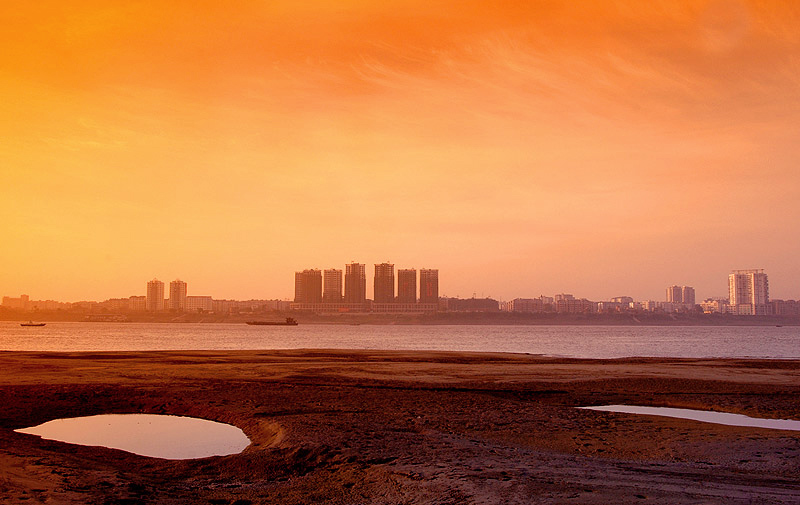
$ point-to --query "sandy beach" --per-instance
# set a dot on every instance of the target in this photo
(380, 427)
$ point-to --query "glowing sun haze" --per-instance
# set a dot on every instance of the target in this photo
(601, 148)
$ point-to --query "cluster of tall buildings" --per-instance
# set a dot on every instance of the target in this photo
(155, 301)
(748, 295)
(324, 291)
(681, 295)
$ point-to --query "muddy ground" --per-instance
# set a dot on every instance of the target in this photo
(364, 427)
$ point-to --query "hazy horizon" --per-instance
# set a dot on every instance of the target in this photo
(599, 148)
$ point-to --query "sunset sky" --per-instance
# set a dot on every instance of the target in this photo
(599, 148)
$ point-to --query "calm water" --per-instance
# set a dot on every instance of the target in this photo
(157, 436)
(571, 341)
(705, 416)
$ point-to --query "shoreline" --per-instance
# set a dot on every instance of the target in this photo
(390, 427)
(442, 318)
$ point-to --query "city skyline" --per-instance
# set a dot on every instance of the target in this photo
(748, 291)
(656, 293)
(601, 148)
(748, 296)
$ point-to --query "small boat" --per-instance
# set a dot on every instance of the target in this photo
(31, 323)
(290, 321)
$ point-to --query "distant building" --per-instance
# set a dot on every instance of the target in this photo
(613, 307)
(568, 304)
(355, 284)
(687, 292)
(199, 304)
(674, 294)
(625, 301)
(308, 286)
(16, 303)
(539, 304)
(648, 305)
(242, 306)
(137, 303)
(116, 305)
(406, 286)
(428, 285)
(177, 295)
(404, 308)
(155, 296)
(282, 305)
(224, 306)
(48, 305)
(680, 298)
(749, 292)
(714, 306)
(785, 307)
(332, 286)
(85, 306)
(525, 305)
(472, 305)
(384, 283)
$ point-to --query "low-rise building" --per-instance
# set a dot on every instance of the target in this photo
(527, 305)
(567, 304)
(137, 303)
(20, 303)
(199, 304)
(785, 307)
(714, 306)
(472, 305)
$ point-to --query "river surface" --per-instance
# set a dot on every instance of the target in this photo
(568, 341)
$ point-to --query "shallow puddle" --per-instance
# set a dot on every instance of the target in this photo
(156, 436)
(703, 416)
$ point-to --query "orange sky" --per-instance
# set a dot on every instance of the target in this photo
(600, 148)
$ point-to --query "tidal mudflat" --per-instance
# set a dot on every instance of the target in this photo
(334, 426)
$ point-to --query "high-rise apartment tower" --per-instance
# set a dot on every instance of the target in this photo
(687, 294)
(748, 292)
(308, 286)
(406, 286)
(355, 283)
(681, 294)
(384, 283)
(155, 296)
(428, 285)
(332, 286)
(177, 295)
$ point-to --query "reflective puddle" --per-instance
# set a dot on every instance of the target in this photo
(703, 416)
(156, 436)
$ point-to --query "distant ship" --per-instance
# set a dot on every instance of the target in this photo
(31, 323)
(289, 322)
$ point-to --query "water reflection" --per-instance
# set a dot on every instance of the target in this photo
(157, 436)
(703, 416)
